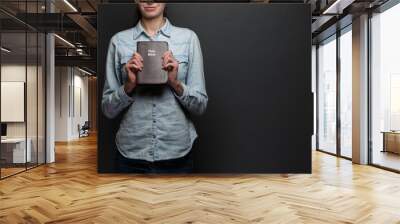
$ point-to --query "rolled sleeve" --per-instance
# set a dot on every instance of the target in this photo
(184, 93)
(194, 97)
(125, 98)
(114, 97)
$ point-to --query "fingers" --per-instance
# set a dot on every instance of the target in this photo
(167, 54)
(131, 67)
(170, 66)
(138, 63)
(167, 57)
(169, 62)
(137, 59)
(137, 56)
(135, 64)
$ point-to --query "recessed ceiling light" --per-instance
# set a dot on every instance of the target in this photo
(5, 50)
(70, 5)
(337, 7)
(65, 41)
(84, 71)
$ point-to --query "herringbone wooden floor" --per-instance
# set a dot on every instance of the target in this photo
(71, 191)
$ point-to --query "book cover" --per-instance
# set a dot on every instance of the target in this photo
(152, 52)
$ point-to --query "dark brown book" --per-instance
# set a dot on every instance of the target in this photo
(152, 52)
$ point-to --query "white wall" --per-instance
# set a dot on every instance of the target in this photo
(61, 103)
(70, 83)
(10, 73)
(17, 72)
(80, 89)
(34, 126)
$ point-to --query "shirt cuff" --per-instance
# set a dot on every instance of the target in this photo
(184, 93)
(123, 96)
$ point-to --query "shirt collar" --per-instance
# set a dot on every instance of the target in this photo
(165, 29)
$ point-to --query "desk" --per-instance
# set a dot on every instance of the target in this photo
(391, 141)
(13, 150)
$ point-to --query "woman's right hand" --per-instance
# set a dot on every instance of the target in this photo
(133, 66)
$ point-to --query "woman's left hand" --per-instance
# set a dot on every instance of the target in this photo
(171, 65)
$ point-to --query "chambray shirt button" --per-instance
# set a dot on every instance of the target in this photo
(154, 136)
(154, 105)
(154, 121)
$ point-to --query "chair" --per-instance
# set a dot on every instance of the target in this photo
(84, 130)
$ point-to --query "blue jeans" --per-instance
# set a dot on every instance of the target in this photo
(179, 166)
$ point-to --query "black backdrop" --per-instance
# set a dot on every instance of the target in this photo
(257, 60)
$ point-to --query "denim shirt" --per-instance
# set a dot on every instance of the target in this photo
(156, 122)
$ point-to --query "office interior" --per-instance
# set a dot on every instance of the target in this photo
(49, 93)
(334, 74)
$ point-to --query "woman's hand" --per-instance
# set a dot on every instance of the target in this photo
(171, 65)
(133, 66)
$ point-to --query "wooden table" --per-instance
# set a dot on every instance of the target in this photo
(13, 150)
(391, 141)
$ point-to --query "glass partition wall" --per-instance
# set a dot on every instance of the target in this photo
(345, 90)
(385, 89)
(327, 95)
(22, 87)
(334, 94)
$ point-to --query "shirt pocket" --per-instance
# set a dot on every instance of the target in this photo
(183, 61)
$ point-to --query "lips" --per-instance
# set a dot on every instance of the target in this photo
(149, 8)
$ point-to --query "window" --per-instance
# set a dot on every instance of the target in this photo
(334, 106)
(385, 88)
(327, 96)
(346, 93)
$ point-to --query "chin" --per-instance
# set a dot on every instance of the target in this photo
(151, 15)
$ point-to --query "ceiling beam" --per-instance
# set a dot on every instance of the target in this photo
(337, 7)
(82, 61)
